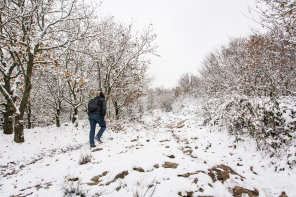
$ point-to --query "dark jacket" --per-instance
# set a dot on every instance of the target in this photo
(102, 106)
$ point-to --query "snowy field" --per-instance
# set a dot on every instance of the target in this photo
(167, 154)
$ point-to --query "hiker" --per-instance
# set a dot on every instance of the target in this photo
(96, 112)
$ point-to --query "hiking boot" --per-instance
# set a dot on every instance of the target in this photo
(98, 140)
(92, 146)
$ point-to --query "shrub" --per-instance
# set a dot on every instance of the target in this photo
(270, 121)
(84, 158)
(72, 188)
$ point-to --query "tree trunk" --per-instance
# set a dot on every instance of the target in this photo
(19, 129)
(29, 113)
(99, 76)
(116, 109)
(8, 122)
(8, 114)
(74, 117)
(19, 118)
(58, 121)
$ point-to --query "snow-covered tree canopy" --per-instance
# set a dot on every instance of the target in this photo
(63, 42)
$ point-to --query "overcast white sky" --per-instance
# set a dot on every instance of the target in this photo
(187, 30)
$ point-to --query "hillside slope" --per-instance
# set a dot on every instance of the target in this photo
(167, 154)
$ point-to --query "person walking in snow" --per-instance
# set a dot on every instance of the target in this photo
(96, 113)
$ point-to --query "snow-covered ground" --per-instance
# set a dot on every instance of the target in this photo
(168, 154)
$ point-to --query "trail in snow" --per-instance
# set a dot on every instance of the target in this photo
(166, 155)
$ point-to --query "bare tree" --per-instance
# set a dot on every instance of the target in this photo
(187, 84)
(30, 31)
(253, 66)
(77, 71)
(279, 17)
(122, 63)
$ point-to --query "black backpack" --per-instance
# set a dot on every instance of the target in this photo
(93, 105)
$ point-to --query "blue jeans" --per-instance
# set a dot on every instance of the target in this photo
(95, 119)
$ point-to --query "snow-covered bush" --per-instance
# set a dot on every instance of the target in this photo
(84, 158)
(133, 112)
(188, 104)
(72, 188)
(155, 99)
(272, 122)
(159, 98)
